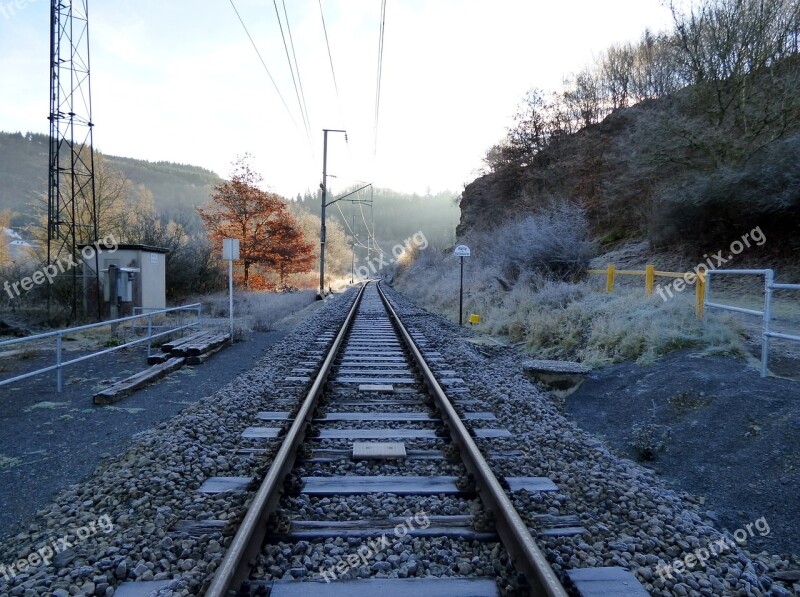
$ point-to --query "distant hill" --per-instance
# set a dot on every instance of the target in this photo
(177, 188)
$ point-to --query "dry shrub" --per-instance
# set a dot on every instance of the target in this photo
(253, 311)
(553, 317)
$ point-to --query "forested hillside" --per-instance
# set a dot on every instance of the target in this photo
(177, 188)
(686, 137)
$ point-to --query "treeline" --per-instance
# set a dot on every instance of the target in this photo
(178, 188)
(687, 132)
(395, 216)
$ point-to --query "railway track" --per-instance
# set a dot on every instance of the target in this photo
(380, 469)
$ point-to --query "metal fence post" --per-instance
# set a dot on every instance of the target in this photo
(149, 334)
(769, 278)
(700, 295)
(58, 363)
(610, 277)
(707, 294)
(649, 279)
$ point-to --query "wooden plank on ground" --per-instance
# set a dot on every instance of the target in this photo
(202, 358)
(119, 390)
(201, 346)
(168, 346)
(157, 359)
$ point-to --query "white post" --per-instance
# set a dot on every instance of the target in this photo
(230, 251)
(230, 294)
(769, 279)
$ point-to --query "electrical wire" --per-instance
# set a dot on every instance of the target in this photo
(380, 72)
(292, 69)
(330, 59)
(296, 66)
(346, 223)
(264, 64)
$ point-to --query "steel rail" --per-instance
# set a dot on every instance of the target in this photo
(246, 544)
(513, 531)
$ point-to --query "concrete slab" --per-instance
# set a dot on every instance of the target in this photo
(261, 432)
(378, 450)
(376, 387)
(531, 484)
(221, 484)
(140, 589)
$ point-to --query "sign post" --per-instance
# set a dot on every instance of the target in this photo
(230, 251)
(461, 252)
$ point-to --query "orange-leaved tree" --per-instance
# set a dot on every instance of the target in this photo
(267, 233)
(293, 255)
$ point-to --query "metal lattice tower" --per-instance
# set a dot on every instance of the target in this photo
(72, 207)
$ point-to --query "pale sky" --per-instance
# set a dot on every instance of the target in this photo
(179, 80)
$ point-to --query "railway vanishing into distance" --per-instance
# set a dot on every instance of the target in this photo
(377, 450)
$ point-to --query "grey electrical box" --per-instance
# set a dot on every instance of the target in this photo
(140, 272)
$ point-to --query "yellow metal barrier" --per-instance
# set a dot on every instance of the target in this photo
(650, 273)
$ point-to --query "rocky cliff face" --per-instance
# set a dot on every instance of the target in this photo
(488, 200)
(662, 169)
(588, 167)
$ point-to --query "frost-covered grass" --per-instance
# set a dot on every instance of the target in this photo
(564, 320)
(254, 311)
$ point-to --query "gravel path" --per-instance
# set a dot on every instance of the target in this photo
(49, 440)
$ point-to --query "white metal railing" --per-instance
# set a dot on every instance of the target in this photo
(194, 308)
(765, 313)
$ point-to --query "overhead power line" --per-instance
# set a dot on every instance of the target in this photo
(296, 65)
(264, 64)
(330, 59)
(292, 68)
(380, 72)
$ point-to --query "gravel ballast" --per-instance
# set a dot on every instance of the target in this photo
(123, 513)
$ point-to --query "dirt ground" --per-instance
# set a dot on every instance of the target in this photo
(713, 428)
